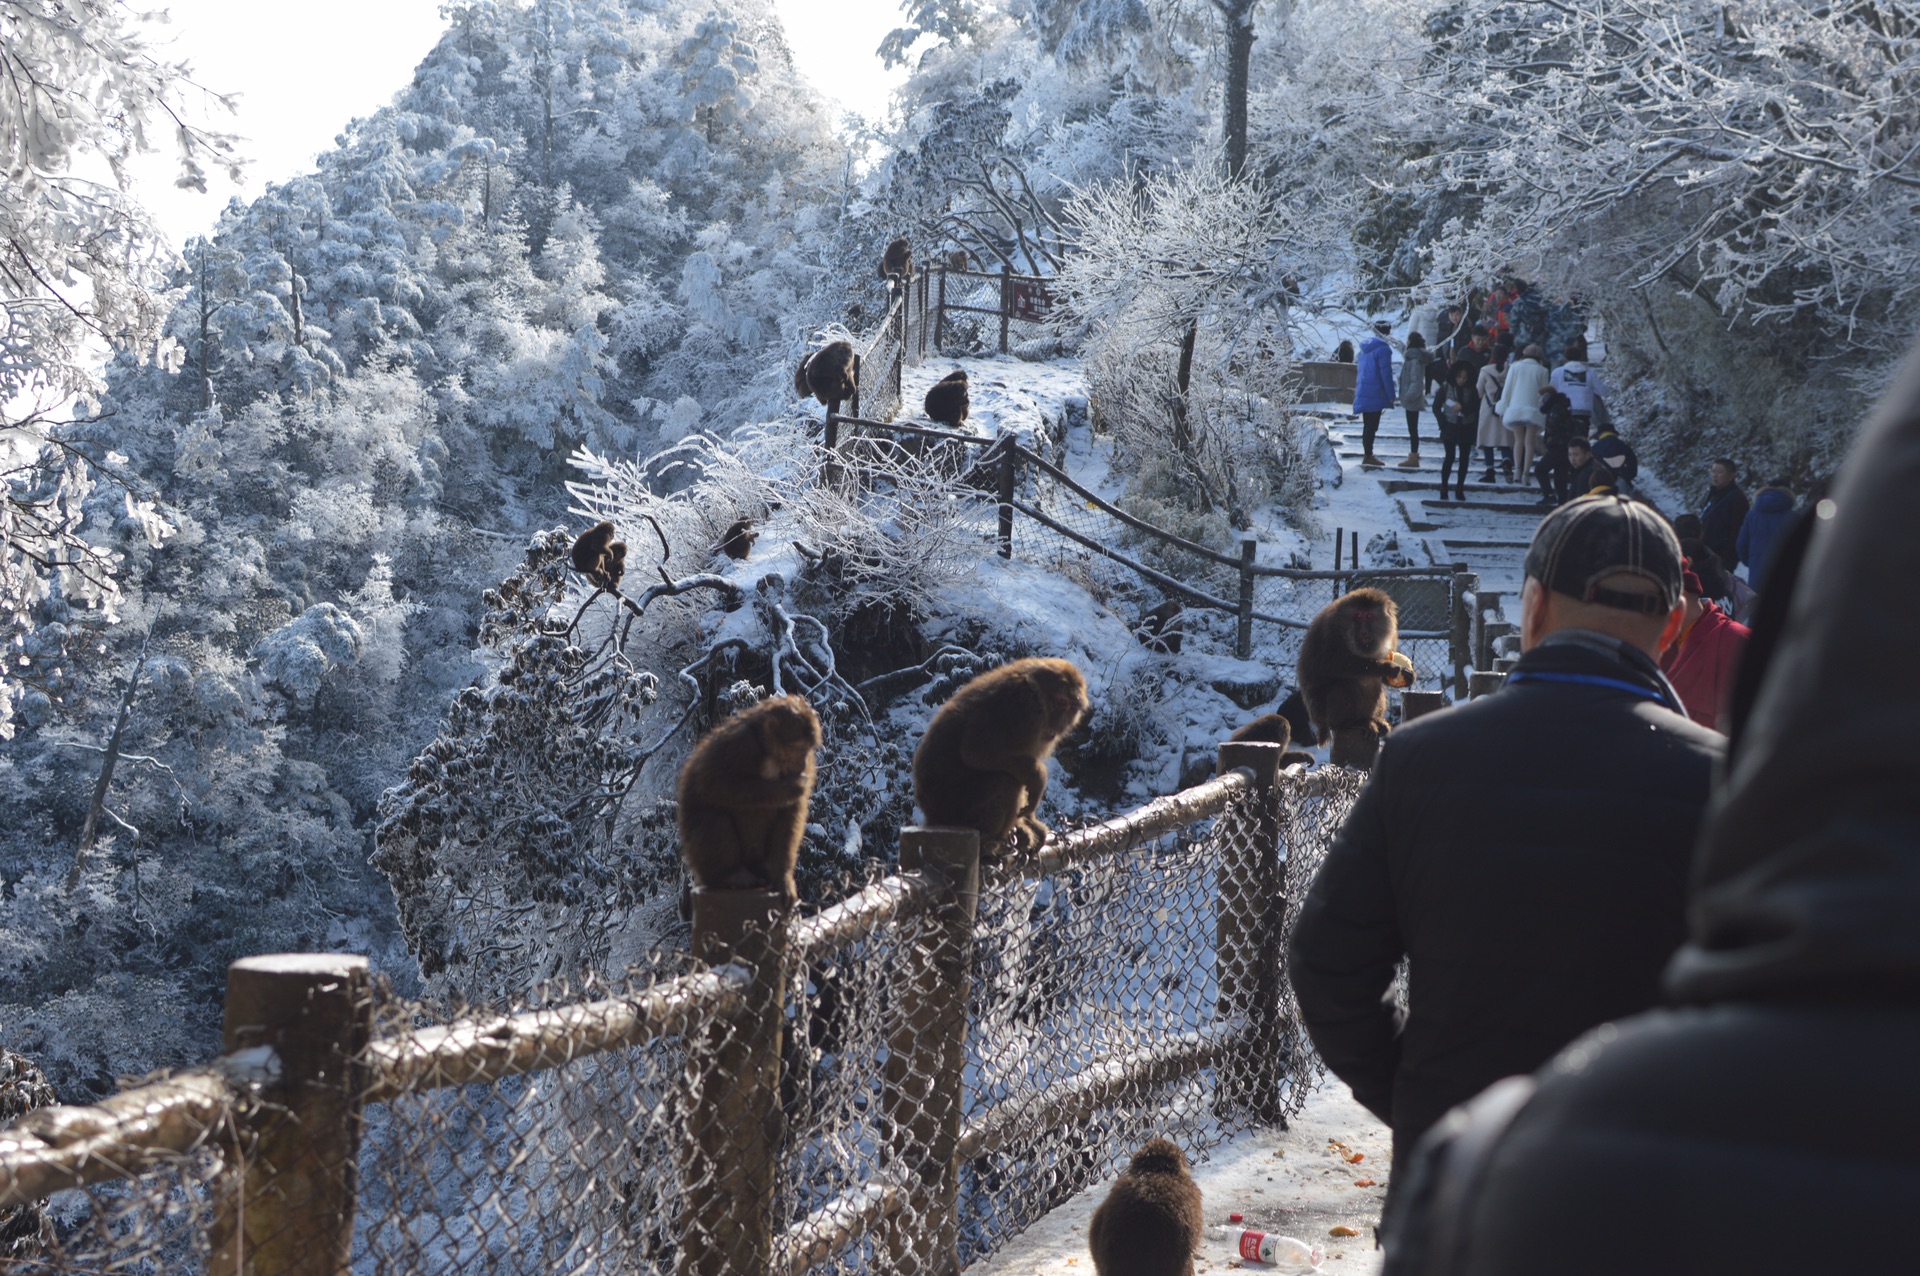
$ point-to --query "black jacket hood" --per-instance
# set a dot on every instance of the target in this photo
(1807, 882)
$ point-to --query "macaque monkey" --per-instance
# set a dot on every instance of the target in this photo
(1347, 662)
(898, 262)
(957, 259)
(1152, 1221)
(1272, 728)
(983, 761)
(599, 557)
(1160, 629)
(743, 798)
(737, 541)
(827, 374)
(947, 403)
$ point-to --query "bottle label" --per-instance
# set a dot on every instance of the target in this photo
(1250, 1245)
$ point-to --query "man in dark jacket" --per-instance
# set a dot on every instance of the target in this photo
(1774, 1120)
(1527, 852)
(1766, 523)
(1724, 511)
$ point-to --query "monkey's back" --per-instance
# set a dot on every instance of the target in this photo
(829, 373)
(1149, 1225)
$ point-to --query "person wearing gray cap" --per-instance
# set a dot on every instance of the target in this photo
(1527, 853)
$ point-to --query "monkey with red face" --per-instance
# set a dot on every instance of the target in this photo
(983, 762)
(1347, 662)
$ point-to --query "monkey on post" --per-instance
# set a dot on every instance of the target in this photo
(599, 557)
(1347, 662)
(983, 762)
(957, 259)
(827, 374)
(743, 798)
(947, 402)
(898, 261)
(1272, 728)
(1152, 1221)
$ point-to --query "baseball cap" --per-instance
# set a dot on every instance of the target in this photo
(1601, 535)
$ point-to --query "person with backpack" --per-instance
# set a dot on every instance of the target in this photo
(1617, 455)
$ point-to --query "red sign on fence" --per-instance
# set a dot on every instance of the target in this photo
(1030, 299)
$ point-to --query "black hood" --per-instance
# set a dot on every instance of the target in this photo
(1807, 883)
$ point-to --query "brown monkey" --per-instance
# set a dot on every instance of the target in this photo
(737, 541)
(829, 374)
(1160, 629)
(1152, 1221)
(1272, 728)
(1294, 710)
(957, 259)
(983, 761)
(898, 260)
(1347, 661)
(743, 798)
(600, 558)
(947, 401)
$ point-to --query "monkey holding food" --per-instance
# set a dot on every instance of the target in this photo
(898, 261)
(1152, 1220)
(737, 541)
(599, 557)
(827, 374)
(743, 798)
(983, 761)
(1347, 662)
(947, 402)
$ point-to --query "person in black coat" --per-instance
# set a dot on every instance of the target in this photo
(1526, 852)
(1772, 1120)
(1725, 509)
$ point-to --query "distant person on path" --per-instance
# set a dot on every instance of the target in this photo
(1493, 438)
(1527, 852)
(1527, 378)
(1553, 468)
(1373, 390)
(1459, 419)
(1771, 1117)
(1723, 513)
(1617, 455)
(1580, 384)
(1413, 395)
(1765, 524)
(1586, 477)
(1702, 661)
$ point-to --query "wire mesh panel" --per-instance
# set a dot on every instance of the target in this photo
(983, 314)
(160, 1221)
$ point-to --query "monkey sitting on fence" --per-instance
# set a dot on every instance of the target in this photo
(827, 375)
(1347, 662)
(599, 557)
(898, 261)
(1152, 1221)
(983, 761)
(947, 402)
(743, 798)
(957, 259)
(1272, 728)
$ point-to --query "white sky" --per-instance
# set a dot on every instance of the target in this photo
(302, 70)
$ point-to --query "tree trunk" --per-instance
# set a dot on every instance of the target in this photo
(1182, 433)
(90, 832)
(1239, 61)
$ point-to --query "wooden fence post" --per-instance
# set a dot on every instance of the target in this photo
(1243, 638)
(927, 1051)
(1484, 682)
(735, 1125)
(285, 1204)
(1006, 303)
(1418, 704)
(1247, 942)
(1009, 475)
(1466, 586)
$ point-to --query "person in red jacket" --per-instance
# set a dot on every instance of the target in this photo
(1702, 661)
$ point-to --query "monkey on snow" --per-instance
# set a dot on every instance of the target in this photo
(1272, 728)
(737, 541)
(947, 402)
(898, 261)
(983, 761)
(599, 557)
(1160, 629)
(1347, 662)
(743, 798)
(1152, 1221)
(827, 375)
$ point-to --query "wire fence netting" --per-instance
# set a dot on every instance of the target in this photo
(1114, 986)
(971, 310)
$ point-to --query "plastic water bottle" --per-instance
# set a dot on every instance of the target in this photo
(1281, 1251)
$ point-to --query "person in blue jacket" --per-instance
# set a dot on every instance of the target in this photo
(1373, 390)
(1765, 524)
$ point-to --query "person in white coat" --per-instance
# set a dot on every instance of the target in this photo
(1527, 380)
(1494, 438)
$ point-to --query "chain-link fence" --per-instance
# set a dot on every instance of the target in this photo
(974, 312)
(901, 1082)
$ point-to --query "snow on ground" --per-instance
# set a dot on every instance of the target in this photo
(1296, 1182)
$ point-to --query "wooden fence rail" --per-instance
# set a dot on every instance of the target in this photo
(282, 1109)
